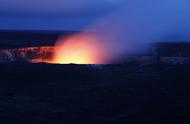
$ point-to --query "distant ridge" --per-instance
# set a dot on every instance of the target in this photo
(30, 38)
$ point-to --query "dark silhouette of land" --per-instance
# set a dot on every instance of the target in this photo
(22, 38)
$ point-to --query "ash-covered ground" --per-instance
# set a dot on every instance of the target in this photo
(94, 94)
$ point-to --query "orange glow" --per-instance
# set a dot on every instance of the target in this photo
(28, 54)
(83, 48)
(43, 54)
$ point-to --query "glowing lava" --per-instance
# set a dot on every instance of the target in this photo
(83, 48)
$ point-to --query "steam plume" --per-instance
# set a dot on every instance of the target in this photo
(139, 24)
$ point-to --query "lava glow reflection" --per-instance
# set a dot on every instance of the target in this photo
(81, 48)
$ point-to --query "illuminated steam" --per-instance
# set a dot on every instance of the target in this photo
(81, 48)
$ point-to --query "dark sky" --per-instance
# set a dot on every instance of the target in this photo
(53, 14)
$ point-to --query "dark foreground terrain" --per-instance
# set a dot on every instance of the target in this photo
(92, 94)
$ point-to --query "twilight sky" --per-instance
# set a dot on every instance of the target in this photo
(53, 14)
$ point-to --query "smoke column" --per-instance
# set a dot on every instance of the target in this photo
(138, 24)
